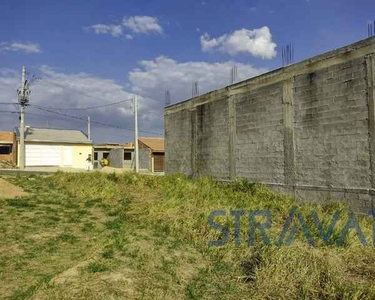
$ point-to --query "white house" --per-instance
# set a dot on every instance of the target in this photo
(56, 147)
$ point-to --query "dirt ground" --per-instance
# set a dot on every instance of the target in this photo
(114, 170)
(124, 170)
(8, 190)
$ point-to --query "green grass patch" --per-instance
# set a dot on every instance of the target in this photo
(96, 267)
(146, 237)
(20, 203)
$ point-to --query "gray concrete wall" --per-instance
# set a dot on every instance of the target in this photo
(212, 133)
(179, 128)
(259, 151)
(307, 129)
(116, 158)
(144, 159)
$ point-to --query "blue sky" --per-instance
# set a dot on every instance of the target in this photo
(177, 41)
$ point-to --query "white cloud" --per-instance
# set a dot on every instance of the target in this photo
(142, 24)
(102, 90)
(135, 25)
(155, 76)
(149, 81)
(17, 46)
(114, 30)
(257, 42)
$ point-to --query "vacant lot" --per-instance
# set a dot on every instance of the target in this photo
(107, 236)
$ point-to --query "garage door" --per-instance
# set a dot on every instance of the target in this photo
(159, 162)
(42, 155)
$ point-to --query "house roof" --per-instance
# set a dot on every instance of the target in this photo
(108, 146)
(33, 134)
(155, 144)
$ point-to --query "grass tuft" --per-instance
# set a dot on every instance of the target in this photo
(96, 267)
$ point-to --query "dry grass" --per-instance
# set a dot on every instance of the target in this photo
(101, 236)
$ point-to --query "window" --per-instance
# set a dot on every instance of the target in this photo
(5, 149)
(105, 155)
(127, 156)
(95, 155)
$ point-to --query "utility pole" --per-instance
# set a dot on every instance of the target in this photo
(135, 105)
(22, 99)
(88, 129)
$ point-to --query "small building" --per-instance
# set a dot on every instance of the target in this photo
(151, 154)
(56, 147)
(118, 155)
(8, 146)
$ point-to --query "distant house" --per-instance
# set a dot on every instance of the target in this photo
(151, 154)
(118, 155)
(8, 146)
(56, 147)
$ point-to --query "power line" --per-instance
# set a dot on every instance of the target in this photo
(45, 116)
(89, 107)
(95, 122)
(81, 93)
(9, 111)
(53, 109)
(78, 91)
(151, 113)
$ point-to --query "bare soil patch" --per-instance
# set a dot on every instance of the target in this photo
(8, 190)
(110, 170)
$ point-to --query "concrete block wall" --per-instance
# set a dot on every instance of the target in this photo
(332, 133)
(259, 135)
(307, 129)
(144, 159)
(178, 127)
(116, 158)
(212, 130)
(331, 126)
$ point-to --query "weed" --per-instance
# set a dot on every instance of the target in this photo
(20, 203)
(88, 226)
(67, 237)
(96, 267)
(92, 202)
(54, 218)
(112, 225)
(108, 254)
(112, 177)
